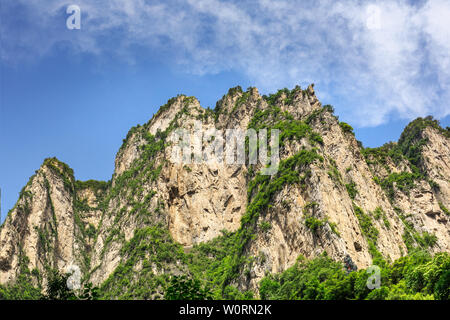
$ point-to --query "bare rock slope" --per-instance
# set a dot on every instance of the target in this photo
(156, 217)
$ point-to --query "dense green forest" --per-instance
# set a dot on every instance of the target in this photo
(415, 276)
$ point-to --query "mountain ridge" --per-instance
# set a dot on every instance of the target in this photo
(155, 219)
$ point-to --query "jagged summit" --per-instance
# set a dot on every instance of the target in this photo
(228, 223)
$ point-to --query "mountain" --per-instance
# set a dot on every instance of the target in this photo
(229, 225)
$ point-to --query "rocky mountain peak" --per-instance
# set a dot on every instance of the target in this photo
(157, 218)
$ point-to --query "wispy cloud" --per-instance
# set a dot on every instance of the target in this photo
(376, 58)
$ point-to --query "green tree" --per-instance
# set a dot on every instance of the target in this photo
(57, 288)
(442, 288)
(184, 288)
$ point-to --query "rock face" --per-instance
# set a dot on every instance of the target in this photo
(43, 230)
(330, 194)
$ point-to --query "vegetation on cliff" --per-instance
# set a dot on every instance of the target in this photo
(152, 265)
(416, 276)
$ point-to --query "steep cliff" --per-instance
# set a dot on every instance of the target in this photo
(229, 223)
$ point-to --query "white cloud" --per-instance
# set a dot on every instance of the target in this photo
(400, 65)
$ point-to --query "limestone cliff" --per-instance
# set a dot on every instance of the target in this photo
(156, 217)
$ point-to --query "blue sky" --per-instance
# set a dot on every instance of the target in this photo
(74, 94)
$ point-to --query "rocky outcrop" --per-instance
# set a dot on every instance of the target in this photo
(40, 232)
(331, 195)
